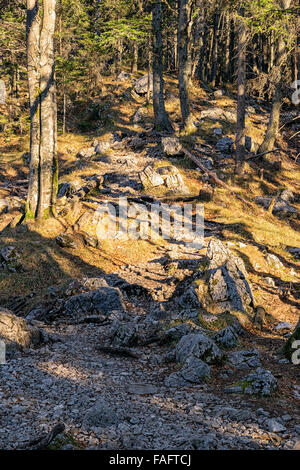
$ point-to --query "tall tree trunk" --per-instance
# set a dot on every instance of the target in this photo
(273, 124)
(42, 92)
(33, 67)
(161, 119)
(184, 63)
(134, 66)
(214, 50)
(241, 102)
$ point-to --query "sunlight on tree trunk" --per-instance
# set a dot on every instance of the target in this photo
(43, 173)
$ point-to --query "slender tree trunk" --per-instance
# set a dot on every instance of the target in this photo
(161, 119)
(241, 102)
(134, 67)
(273, 124)
(33, 67)
(184, 63)
(214, 50)
(149, 67)
(42, 92)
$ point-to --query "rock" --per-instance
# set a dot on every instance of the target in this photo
(218, 94)
(246, 359)
(194, 371)
(16, 332)
(9, 254)
(295, 251)
(102, 301)
(189, 299)
(232, 413)
(225, 145)
(226, 338)
(124, 334)
(270, 281)
(89, 240)
(142, 389)
(200, 442)
(137, 143)
(102, 147)
(281, 208)
(67, 189)
(66, 241)
(140, 86)
(139, 116)
(87, 152)
(172, 178)
(274, 261)
(177, 332)
(227, 284)
(149, 177)
(217, 130)
(261, 382)
(207, 162)
(274, 426)
(100, 415)
(206, 193)
(283, 326)
(287, 195)
(2, 92)
(171, 146)
(216, 114)
(123, 76)
(200, 346)
(168, 176)
(289, 348)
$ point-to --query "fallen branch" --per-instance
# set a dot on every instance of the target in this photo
(43, 442)
(264, 153)
(294, 135)
(290, 122)
(213, 176)
(118, 351)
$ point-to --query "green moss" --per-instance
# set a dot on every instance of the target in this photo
(29, 214)
(62, 440)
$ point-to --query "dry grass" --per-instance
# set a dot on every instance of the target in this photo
(47, 264)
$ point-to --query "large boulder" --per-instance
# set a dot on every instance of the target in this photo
(140, 86)
(103, 301)
(16, 332)
(200, 346)
(227, 284)
(168, 177)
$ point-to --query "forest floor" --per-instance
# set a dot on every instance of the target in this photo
(63, 379)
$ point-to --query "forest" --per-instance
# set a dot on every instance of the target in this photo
(149, 226)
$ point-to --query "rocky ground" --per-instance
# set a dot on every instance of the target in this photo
(152, 344)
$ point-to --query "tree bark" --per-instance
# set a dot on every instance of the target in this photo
(184, 63)
(241, 102)
(43, 110)
(161, 119)
(33, 67)
(273, 124)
